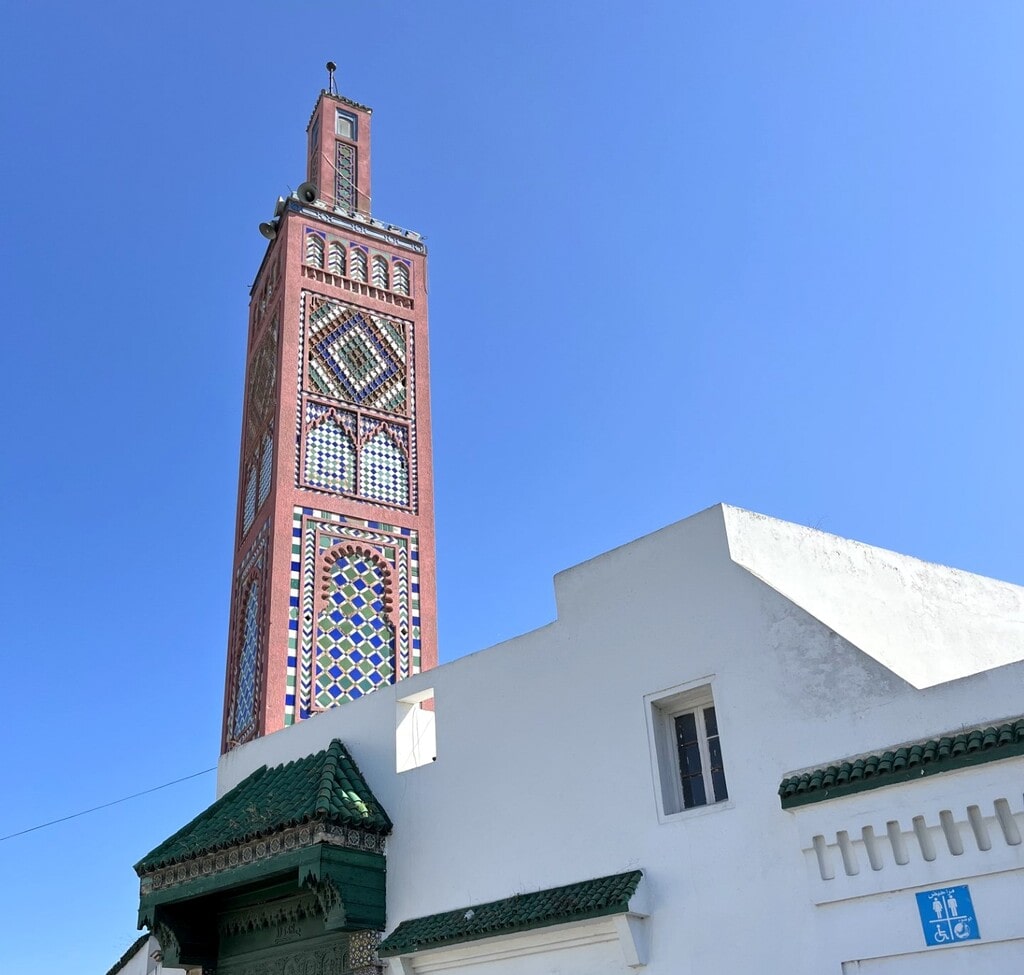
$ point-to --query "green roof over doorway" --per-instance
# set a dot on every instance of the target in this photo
(326, 787)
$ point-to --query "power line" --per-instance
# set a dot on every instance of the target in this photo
(105, 805)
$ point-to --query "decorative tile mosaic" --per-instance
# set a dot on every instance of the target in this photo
(400, 277)
(245, 648)
(259, 400)
(323, 460)
(383, 470)
(319, 538)
(354, 637)
(336, 447)
(357, 262)
(345, 176)
(330, 457)
(266, 468)
(249, 500)
(314, 248)
(357, 357)
(245, 696)
(336, 257)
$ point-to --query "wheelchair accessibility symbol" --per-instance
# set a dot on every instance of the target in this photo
(947, 915)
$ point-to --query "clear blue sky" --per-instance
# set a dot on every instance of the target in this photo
(765, 253)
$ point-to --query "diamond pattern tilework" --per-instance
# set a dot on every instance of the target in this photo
(315, 533)
(266, 468)
(357, 357)
(330, 457)
(249, 503)
(259, 407)
(247, 660)
(320, 317)
(354, 638)
(383, 470)
(245, 698)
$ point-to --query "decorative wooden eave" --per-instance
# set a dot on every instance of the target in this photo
(302, 841)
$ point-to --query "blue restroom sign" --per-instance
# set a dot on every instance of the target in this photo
(947, 915)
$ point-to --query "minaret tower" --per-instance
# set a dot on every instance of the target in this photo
(333, 582)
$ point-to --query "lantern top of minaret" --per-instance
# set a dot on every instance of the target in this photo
(331, 91)
(338, 155)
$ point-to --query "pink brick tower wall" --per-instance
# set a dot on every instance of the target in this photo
(333, 587)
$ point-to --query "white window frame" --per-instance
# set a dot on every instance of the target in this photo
(662, 708)
(345, 125)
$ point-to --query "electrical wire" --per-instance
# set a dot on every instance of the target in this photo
(105, 805)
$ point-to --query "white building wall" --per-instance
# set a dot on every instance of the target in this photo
(543, 773)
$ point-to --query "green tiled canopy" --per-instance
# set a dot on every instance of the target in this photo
(523, 912)
(972, 746)
(325, 788)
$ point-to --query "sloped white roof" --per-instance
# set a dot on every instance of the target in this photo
(927, 623)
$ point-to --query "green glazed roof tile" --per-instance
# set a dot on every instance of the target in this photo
(326, 787)
(971, 746)
(587, 899)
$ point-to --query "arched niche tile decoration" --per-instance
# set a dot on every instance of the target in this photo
(245, 678)
(400, 277)
(245, 665)
(314, 248)
(316, 533)
(266, 468)
(357, 263)
(336, 257)
(355, 635)
(249, 499)
(329, 455)
(383, 470)
(379, 274)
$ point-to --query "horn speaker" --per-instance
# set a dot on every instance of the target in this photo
(308, 192)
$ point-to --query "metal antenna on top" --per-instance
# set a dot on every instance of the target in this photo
(332, 88)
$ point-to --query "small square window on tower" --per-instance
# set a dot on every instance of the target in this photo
(687, 749)
(345, 125)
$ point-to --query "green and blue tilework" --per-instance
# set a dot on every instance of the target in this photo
(247, 612)
(330, 461)
(383, 470)
(356, 373)
(315, 537)
(266, 468)
(357, 357)
(354, 639)
(249, 500)
(245, 697)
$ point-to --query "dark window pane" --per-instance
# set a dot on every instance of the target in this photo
(718, 784)
(689, 759)
(686, 728)
(710, 722)
(715, 752)
(693, 791)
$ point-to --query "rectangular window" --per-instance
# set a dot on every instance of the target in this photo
(345, 125)
(701, 776)
(687, 749)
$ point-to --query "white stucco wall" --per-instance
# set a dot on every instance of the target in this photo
(147, 960)
(544, 776)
